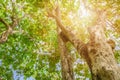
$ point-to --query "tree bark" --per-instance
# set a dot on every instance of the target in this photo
(66, 62)
(103, 64)
(97, 52)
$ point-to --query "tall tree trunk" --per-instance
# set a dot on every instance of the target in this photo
(97, 52)
(103, 64)
(66, 62)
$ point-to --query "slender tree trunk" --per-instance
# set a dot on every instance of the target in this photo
(66, 62)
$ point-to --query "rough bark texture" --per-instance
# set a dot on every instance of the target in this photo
(103, 64)
(97, 52)
(66, 62)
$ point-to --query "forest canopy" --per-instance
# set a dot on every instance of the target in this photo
(29, 41)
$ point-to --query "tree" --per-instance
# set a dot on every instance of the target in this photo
(66, 63)
(34, 47)
(97, 52)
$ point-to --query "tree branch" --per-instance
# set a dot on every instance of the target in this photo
(6, 33)
(11, 26)
(4, 22)
(67, 33)
(67, 70)
(9, 30)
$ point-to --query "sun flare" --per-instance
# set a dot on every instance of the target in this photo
(82, 11)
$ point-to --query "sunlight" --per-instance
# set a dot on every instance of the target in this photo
(83, 12)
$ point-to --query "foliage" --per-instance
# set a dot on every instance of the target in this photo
(32, 51)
